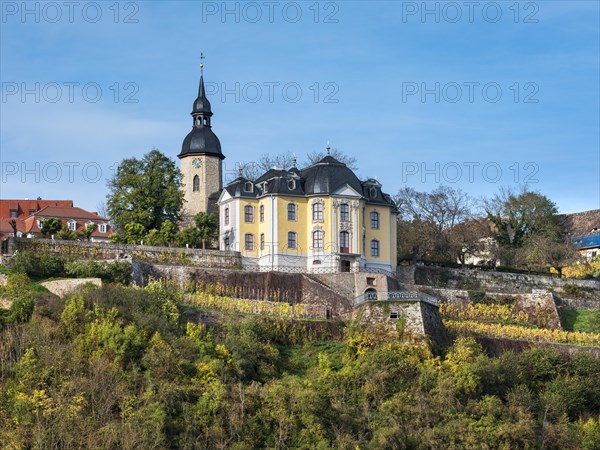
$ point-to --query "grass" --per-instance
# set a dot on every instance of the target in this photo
(5, 270)
(576, 320)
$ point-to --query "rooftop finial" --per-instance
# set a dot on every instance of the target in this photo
(240, 170)
(328, 148)
(202, 63)
(294, 160)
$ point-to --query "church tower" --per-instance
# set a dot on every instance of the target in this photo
(200, 160)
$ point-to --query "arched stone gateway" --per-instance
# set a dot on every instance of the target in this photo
(370, 294)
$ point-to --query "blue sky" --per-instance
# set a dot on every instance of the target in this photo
(419, 93)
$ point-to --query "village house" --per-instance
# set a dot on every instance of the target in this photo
(24, 218)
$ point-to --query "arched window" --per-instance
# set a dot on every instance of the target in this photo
(292, 239)
(226, 216)
(345, 212)
(249, 242)
(375, 220)
(196, 183)
(291, 211)
(318, 239)
(262, 241)
(261, 213)
(249, 214)
(317, 210)
(248, 187)
(375, 248)
(344, 242)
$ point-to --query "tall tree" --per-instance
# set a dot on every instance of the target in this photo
(208, 227)
(445, 206)
(520, 215)
(426, 220)
(145, 191)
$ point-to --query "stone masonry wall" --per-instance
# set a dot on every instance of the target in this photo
(500, 282)
(106, 251)
(275, 286)
(352, 285)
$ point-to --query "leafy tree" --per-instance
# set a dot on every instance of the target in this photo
(544, 251)
(134, 233)
(188, 237)
(208, 227)
(520, 215)
(168, 230)
(87, 232)
(145, 191)
(51, 226)
(66, 234)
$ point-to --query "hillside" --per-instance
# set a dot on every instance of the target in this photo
(123, 367)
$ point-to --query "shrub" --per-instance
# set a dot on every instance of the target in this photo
(37, 265)
(476, 296)
(113, 272)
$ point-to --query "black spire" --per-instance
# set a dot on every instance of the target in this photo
(201, 104)
(201, 140)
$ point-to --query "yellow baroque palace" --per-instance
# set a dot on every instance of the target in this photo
(318, 219)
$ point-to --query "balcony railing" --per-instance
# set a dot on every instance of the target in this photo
(396, 296)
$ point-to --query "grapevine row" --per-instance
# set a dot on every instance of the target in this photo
(279, 309)
(480, 312)
(518, 332)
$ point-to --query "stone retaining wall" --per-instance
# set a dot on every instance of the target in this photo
(275, 286)
(64, 287)
(500, 282)
(106, 251)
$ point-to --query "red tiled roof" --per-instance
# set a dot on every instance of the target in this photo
(23, 207)
(62, 209)
(68, 213)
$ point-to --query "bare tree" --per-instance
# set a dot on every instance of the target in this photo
(445, 206)
(317, 155)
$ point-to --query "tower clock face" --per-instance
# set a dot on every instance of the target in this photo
(196, 163)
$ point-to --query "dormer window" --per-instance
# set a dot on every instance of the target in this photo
(102, 228)
(72, 225)
(291, 185)
(249, 187)
(373, 192)
(265, 187)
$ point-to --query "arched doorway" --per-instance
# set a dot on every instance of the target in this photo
(370, 294)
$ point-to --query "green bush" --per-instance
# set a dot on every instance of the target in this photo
(112, 272)
(37, 265)
(476, 296)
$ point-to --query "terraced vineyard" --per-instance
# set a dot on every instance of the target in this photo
(502, 321)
